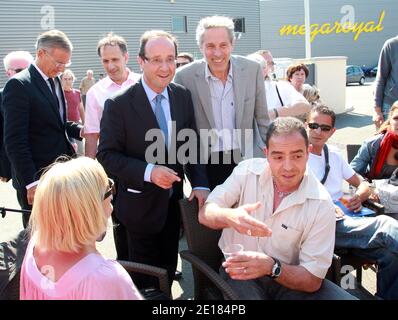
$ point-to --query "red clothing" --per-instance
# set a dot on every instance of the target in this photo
(73, 100)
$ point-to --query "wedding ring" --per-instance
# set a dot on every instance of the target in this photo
(249, 232)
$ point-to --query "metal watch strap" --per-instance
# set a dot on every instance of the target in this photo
(276, 269)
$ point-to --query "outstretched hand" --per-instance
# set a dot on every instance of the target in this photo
(244, 222)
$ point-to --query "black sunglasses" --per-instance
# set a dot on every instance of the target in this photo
(324, 127)
(112, 189)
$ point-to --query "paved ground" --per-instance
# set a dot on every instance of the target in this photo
(353, 127)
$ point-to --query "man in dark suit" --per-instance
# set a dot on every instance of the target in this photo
(14, 62)
(150, 188)
(35, 128)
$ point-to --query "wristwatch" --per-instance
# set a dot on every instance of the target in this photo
(276, 269)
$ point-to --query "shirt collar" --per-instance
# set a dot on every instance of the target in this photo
(209, 75)
(152, 94)
(306, 189)
(45, 77)
(131, 78)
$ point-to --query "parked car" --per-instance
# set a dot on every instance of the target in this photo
(366, 70)
(373, 72)
(354, 74)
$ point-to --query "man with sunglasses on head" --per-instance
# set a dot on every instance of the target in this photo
(14, 62)
(374, 238)
(35, 128)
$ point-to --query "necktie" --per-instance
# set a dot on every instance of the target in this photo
(52, 85)
(161, 118)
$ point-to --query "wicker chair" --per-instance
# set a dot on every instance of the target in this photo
(160, 273)
(204, 256)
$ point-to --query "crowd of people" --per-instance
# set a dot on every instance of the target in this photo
(253, 149)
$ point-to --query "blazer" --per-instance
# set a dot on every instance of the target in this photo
(251, 111)
(5, 167)
(34, 133)
(127, 118)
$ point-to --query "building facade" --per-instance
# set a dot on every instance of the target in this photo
(87, 21)
(355, 28)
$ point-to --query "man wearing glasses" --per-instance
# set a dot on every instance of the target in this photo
(374, 238)
(149, 189)
(14, 62)
(35, 128)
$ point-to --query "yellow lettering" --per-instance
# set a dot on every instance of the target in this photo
(314, 31)
(346, 27)
(326, 28)
(338, 26)
(357, 29)
(288, 29)
(379, 26)
(301, 30)
(369, 26)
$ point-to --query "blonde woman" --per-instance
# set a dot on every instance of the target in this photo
(70, 212)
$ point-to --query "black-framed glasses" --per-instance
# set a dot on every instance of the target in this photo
(17, 70)
(324, 127)
(112, 189)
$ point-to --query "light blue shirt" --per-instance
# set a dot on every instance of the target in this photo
(223, 106)
(151, 95)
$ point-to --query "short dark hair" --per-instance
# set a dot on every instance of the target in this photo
(112, 40)
(323, 109)
(286, 126)
(152, 34)
(186, 55)
(296, 67)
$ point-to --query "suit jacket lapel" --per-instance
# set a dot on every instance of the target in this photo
(239, 84)
(141, 105)
(204, 94)
(63, 100)
(39, 82)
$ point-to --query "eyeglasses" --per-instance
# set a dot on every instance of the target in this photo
(324, 127)
(179, 64)
(112, 189)
(59, 64)
(17, 70)
(157, 62)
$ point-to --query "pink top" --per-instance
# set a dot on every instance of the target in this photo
(96, 97)
(73, 101)
(92, 278)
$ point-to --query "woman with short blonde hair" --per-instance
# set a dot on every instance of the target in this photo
(71, 208)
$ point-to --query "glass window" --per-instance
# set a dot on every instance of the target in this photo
(239, 25)
(179, 23)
